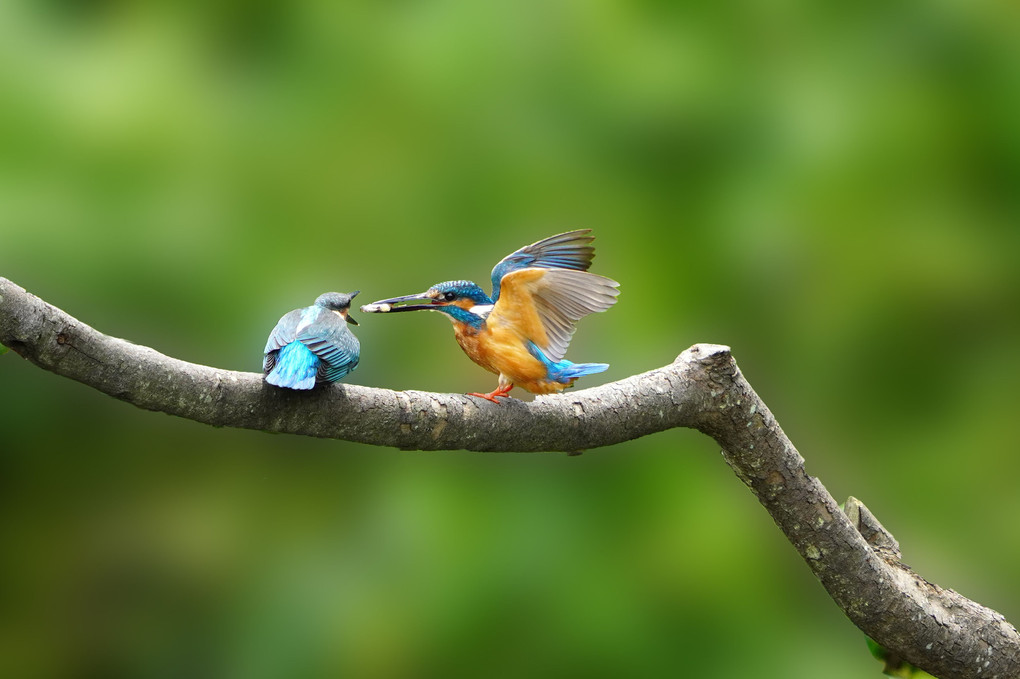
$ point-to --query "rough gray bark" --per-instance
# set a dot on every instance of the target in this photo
(851, 554)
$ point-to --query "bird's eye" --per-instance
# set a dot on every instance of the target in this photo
(449, 296)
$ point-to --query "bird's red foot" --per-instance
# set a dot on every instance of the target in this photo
(491, 396)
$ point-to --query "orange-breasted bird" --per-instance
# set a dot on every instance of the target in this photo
(522, 331)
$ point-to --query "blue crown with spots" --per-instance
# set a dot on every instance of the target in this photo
(451, 290)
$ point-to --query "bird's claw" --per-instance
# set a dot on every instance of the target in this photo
(493, 395)
(487, 397)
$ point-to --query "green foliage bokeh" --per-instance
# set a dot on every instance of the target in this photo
(830, 189)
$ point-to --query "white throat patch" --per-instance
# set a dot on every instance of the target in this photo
(482, 310)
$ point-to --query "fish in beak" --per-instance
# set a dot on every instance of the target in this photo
(405, 303)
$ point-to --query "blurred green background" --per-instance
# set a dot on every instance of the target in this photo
(830, 188)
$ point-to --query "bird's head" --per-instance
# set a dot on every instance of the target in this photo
(340, 302)
(462, 301)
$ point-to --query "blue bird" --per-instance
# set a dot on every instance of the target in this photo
(521, 332)
(313, 344)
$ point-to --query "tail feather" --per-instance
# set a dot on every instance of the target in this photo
(565, 371)
(295, 368)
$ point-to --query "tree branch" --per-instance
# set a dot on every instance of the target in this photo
(935, 629)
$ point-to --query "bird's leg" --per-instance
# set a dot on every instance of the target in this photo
(502, 390)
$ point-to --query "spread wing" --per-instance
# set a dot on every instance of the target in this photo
(544, 305)
(336, 346)
(570, 250)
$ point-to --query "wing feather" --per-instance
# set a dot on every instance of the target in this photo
(570, 250)
(283, 333)
(281, 336)
(335, 345)
(544, 305)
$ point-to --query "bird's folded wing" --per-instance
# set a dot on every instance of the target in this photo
(544, 305)
(281, 336)
(283, 333)
(335, 345)
(570, 250)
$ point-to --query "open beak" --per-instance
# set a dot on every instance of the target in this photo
(405, 303)
(349, 318)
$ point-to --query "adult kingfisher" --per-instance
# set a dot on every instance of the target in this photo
(313, 344)
(522, 331)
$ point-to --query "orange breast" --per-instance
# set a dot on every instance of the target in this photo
(475, 345)
(502, 350)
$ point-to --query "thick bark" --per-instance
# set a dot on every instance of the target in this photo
(854, 558)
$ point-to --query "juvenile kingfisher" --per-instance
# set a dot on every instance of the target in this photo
(313, 344)
(522, 331)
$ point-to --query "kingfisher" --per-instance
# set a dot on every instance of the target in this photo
(522, 330)
(313, 344)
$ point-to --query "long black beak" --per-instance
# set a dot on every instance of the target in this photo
(393, 304)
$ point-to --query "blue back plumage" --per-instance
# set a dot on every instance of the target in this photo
(564, 371)
(570, 250)
(312, 345)
(296, 367)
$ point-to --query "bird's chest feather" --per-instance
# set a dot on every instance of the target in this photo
(474, 342)
(499, 351)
